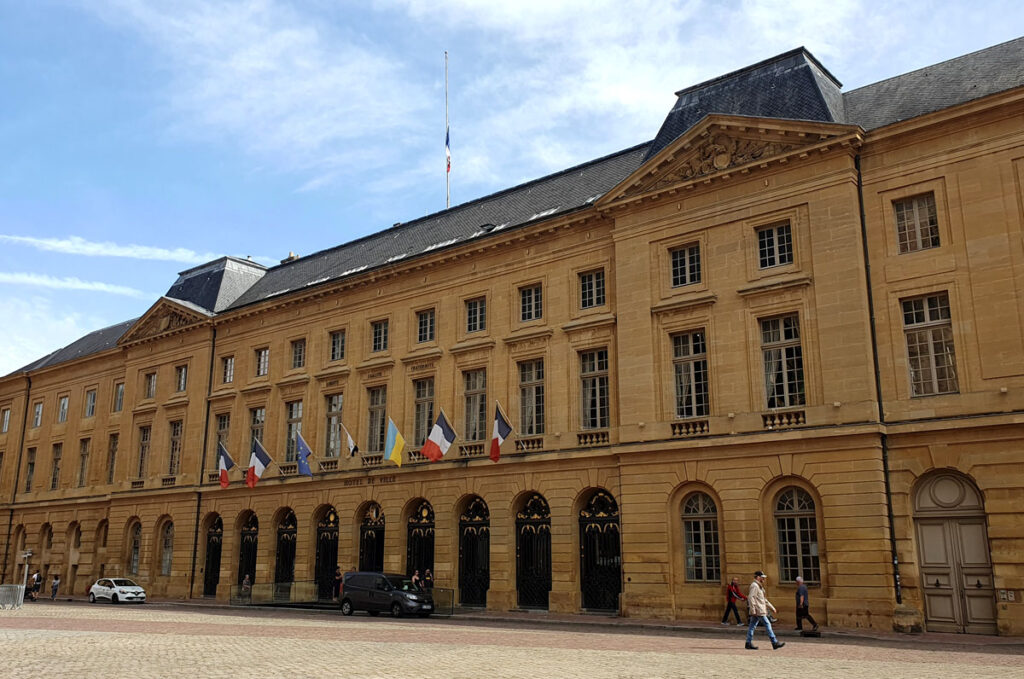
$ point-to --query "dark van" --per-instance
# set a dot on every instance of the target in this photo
(376, 592)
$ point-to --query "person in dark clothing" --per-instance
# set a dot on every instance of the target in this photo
(337, 582)
(803, 603)
(732, 595)
(428, 580)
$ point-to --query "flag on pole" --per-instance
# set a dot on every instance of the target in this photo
(302, 453)
(440, 439)
(258, 463)
(352, 447)
(447, 149)
(393, 444)
(225, 463)
(502, 429)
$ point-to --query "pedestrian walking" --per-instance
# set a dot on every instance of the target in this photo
(732, 595)
(54, 586)
(803, 603)
(337, 583)
(428, 579)
(759, 607)
(247, 589)
(416, 583)
(36, 584)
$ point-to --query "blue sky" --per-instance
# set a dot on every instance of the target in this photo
(142, 138)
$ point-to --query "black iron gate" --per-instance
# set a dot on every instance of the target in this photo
(533, 553)
(474, 554)
(284, 567)
(371, 540)
(419, 549)
(600, 553)
(211, 572)
(247, 549)
(326, 554)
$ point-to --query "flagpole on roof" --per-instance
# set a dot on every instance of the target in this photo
(447, 148)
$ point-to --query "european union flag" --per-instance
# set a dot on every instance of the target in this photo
(302, 453)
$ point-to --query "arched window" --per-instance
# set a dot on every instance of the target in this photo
(700, 535)
(167, 549)
(797, 526)
(136, 549)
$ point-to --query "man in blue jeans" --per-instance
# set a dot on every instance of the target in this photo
(759, 606)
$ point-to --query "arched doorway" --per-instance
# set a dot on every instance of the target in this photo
(371, 539)
(211, 571)
(474, 553)
(419, 545)
(247, 549)
(600, 553)
(284, 564)
(955, 561)
(134, 548)
(533, 553)
(326, 553)
(73, 542)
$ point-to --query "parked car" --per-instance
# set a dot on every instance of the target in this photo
(117, 590)
(376, 592)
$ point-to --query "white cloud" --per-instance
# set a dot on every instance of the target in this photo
(41, 329)
(75, 245)
(70, 283)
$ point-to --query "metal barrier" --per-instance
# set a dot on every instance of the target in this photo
(11, 597)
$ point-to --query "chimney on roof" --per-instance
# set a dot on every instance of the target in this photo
(290, 258)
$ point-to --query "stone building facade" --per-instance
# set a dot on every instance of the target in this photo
(785, 334)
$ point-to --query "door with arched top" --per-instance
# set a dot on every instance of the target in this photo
(954, 558)
(474, 553)
(248, 544)
(600, 553)
(326, 553)
(211, 572)
(371, 539)
(419, 550)
(533, 553)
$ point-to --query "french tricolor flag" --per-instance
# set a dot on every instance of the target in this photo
(225, 463)
(258, 463)
(501, 431)
(447, 149)
(440, 439)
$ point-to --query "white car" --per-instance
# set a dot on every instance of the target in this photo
(117, 590)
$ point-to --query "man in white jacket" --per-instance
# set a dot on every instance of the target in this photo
(759, 607)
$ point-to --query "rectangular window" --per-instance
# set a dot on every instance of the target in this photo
(257, 418)
(90, 403)
(531, 397)
(181, 378)
(378, 399)
(475, 388)
(917, 224)
(174, 457)
(293, 429)
(298, 354)
(594, 389)
(690, 361)
(592, 289)
(223, 432)
(5, 420)
(928, 327)
(149, 385)
(333, 445)
(531, 303)
(783, 362)
(379, 340)
(37, 414)
(774, 245)
(62, 409)
(144, 433)
(58, 453)
(262, 361)
(337, 345)
(425, 326)
(227, 369)
(476, 315)
(112, 456)
(83, 461)
(423, 393)
(30, 468)
(118, 397)
(686, 265)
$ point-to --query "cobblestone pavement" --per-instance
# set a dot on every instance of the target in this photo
(146, 642)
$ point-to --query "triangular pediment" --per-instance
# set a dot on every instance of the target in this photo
(167, 316)
(721, 146)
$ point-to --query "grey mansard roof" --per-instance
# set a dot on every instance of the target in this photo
(93, 343)
(215, 285)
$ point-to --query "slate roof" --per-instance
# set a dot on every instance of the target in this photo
(94, 342)
(215, 285)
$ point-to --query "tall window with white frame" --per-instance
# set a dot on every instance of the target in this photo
(37, 414)
(379, 336)
(167, 549)
(425, 326)
(223, 430)
(293, 429)
(423, 407)
(257, 420)
(774, 245)
(783, 361)
(84, 447)
(592, 289)
(5, 420)
(62, 409)
(377, 397)
(531, 397)
(180, 378)
(917, 223)
(333, 446)
(136, 550)
(149, 385)
(531, 303)
(797, 526)
(90, 402)
(174, 448)
(262, 359)
(337, 345)
(686, 265)
(227, 369)
(700, 537)
(690, 362)
(144, 434)
(931, 357)
(118, 404)
(58, 453)
(475, 393)
(30, 468)
(594, 389)
(298, 354)
(112, 442)
(476, 314)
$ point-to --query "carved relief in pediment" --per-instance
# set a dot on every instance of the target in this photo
(159, 322)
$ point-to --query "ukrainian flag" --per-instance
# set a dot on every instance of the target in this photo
(393, 444)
